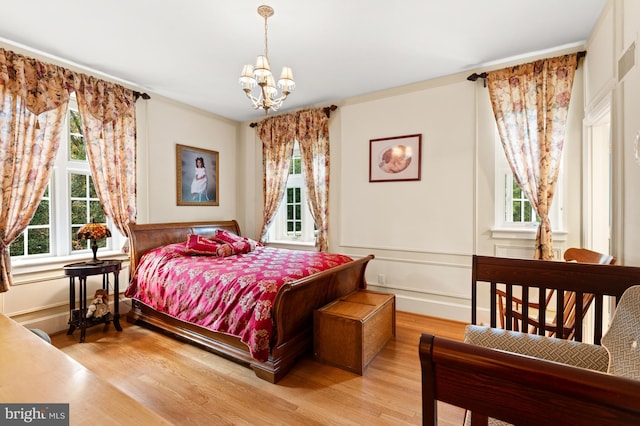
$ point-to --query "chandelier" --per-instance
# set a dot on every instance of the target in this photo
(267, 94)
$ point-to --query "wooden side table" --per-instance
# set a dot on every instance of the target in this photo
(81, 270)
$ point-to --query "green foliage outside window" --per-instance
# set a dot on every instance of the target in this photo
(77, 147)
(522, 212)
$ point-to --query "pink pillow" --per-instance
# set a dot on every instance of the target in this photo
(239, 244)
(199, 244)
(226, 236)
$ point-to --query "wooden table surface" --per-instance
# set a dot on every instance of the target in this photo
(33, 371)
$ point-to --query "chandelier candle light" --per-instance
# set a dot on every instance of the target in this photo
(94, 231)
(261, 76)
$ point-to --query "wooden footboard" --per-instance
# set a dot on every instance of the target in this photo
(292, 311)
(520, 389)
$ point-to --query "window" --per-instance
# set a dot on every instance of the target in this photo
(513, 209)
(36, 239)
(69, 202)
(293, 221)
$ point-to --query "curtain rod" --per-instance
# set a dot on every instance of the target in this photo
(327, 110)
(483, 75)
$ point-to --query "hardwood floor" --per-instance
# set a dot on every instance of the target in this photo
(189, 386)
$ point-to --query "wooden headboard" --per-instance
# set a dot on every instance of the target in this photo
(143, 238)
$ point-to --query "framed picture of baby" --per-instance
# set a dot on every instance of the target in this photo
(196, 176)
(395, 159)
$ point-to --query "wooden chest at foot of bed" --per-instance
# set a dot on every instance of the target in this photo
(350, 331)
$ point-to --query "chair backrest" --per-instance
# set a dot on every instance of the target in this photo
(582, 255)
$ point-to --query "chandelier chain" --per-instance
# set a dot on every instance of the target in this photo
(266, 37)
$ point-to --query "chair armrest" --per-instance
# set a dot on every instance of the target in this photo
(568, 352)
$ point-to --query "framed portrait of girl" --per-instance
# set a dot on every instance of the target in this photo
(197, 176)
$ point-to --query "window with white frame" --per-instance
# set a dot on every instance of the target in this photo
(69, 202)
(293, 221)
(513, 209)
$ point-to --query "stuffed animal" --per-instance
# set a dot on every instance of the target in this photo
(100, 305)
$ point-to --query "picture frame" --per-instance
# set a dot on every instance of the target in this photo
(397, 158)
(195, 187)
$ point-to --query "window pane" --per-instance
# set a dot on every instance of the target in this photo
(516, 211)
(527, 211)
(38, 241)
(517, 192)
(298, 212)
(77, 244)
(290, 212)
(96, 213)
(297, 195)
(77, 147)
(77, 150)
(75, 125)
(17, 246)
(78, 212)
(298, 226)
(78, 185)
(289, 226)
(92, 189)
(41, 216)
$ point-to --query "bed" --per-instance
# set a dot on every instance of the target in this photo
(291, 311)
(522, 389)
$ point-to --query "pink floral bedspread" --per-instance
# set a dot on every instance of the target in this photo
(232, 295)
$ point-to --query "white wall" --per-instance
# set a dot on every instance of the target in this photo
(628, 127)
(423, 233)
(167, 124)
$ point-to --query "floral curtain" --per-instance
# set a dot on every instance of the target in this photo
(278, 137)
(531, 103)
(313, 137)
(33, 104)
(109, 127)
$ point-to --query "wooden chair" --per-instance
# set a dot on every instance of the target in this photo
(574, 254)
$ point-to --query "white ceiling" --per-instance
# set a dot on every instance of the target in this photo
(193, 50)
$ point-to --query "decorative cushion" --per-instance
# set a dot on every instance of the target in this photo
(569, 352)
(226, 236)
(622, 340)
(239, 244)
(199, 244)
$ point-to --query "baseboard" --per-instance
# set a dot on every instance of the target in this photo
(55, 320)
(451, 308)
